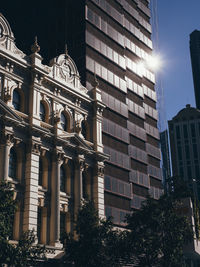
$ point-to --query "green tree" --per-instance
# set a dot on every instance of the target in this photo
(24, 253)
(96, 243)
(158, 233)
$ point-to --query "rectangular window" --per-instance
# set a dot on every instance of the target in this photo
(195, 151)
(107, 183)
(178, 136)
(185, 131)
(89, 15)
(192, 126)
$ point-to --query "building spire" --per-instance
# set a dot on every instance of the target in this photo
(35, 48)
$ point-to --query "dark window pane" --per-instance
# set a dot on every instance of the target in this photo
(178, 132)
(108, 212)
(195, 152)
(63, 122)
(192, 126)
(40, 172)
(107, 183)
(62, 223)
(12, 164)
(16, 100)
(39, 224)
(62, 179)
(42, 112)
(185, 132)
(189, 172)
(83, 129)
(114, 185)
(180, 152)
(187, 151)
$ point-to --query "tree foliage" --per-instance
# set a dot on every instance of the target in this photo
(24, 252)
(96, 243)
(158, 233)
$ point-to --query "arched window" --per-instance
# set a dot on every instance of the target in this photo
(16, 100)
(62, 179)
(12, 171)
(42, 112)
(63, 122)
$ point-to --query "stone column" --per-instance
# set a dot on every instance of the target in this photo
(31, 185)
(98, 188)
(78, 182)
(6, 144)
(55, 200)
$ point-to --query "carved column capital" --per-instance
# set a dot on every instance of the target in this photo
(80, 162)
(34, 146)
(58, 155)
(99, 169)
(7, 138)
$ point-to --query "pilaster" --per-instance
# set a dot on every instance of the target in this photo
(98, 188)
(55, 198)
(78, 182)
(31, 185)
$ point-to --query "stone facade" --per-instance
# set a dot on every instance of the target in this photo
(51, 139)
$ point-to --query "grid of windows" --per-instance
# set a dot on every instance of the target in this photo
(115, 104)
(135, 31)
(150, 111)
(133, 107)
(152, 131)
(117, 186)
(149, 92)
(109, 10)
(143, 8)
(155, 192)
(139, 178)
(118, 216)
(117, 157)
(154, 171)
(136, 49)
(134, 87)
(139, 69)
(153, 151)
(137, 153)
(104, 26)
(115, 130)
(135, 14)
(134, 67)
(105, 74)
(112, 33)
(136, 130)
(136, 202)
(105, 50)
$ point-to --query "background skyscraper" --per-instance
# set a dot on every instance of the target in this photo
(184, 131)
(195, 60)
(112, 40)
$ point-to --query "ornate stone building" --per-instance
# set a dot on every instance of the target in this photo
(51, 139)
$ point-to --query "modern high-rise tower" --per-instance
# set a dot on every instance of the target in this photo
(195, 60)
(184, 131)
(109, 40)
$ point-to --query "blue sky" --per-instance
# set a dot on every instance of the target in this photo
(176, 20)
